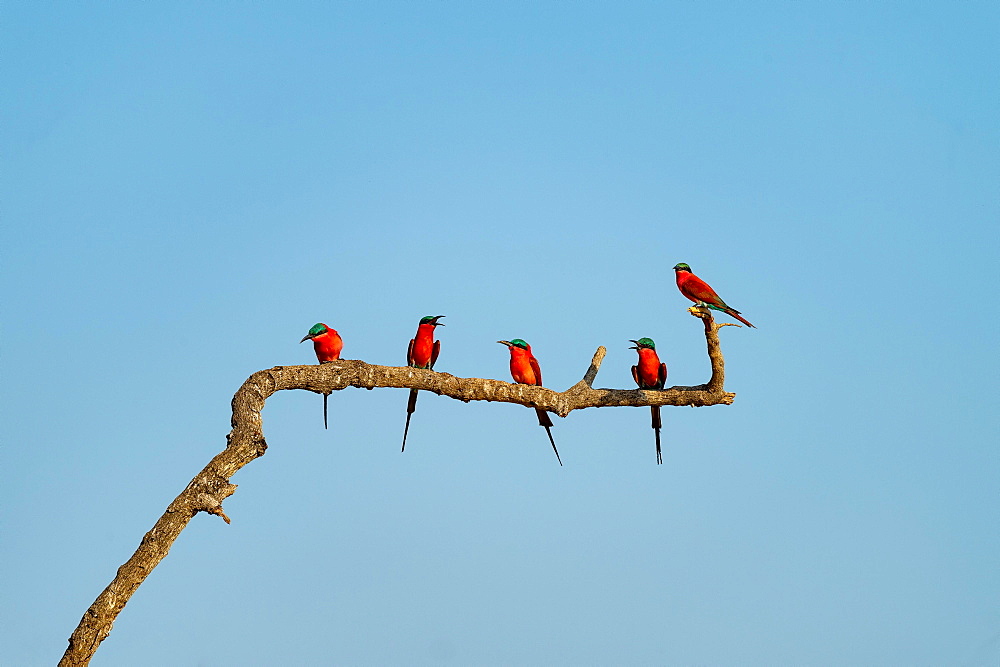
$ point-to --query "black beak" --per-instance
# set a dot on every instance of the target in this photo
(307, 337)
(504, 342)
(436, 323)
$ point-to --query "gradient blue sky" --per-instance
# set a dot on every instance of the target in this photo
(188, 187)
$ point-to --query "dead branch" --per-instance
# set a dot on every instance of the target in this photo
(245, 443)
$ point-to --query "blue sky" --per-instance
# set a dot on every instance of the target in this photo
(189, 187)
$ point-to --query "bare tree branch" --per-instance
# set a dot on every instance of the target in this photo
(245, 443)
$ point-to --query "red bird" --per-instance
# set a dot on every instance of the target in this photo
(422, 353)
(649, 373)
(524, 369)
(702, 294)
(327, 344)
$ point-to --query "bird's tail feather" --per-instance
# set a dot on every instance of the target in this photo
(655, 409)
(543, 420)
(411, 406)
(740, 318)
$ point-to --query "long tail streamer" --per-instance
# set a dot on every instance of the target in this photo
(544, 420)
(411, 406)
(655, 409)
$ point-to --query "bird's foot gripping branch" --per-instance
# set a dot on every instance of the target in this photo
(246, 442)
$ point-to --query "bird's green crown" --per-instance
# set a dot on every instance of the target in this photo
(318, 329)
(645, 342)
(517, 342)
(682, 267)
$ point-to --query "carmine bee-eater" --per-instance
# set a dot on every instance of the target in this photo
(422, 353)
(699, 291)
(327, 343)
(649, 373)
(524, 369)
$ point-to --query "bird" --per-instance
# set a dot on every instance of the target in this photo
(524, 369)
(327, 344)
(702, 294)
(650, 373)
(422, 353)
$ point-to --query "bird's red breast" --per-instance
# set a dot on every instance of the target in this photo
(328, 346)
(648, 369)
(524, 367)
(422, 347)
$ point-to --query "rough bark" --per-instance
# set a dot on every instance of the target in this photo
(245, 443)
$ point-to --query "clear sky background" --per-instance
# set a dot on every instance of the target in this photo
(188, 187)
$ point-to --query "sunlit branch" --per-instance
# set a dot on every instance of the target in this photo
(245, 442)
